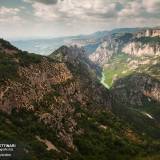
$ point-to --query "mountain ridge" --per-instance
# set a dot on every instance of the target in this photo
(42, 47)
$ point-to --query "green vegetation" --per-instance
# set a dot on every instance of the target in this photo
(10, 62)
(136, 116)
(116, 68)
(152, 108)
(97, 136)
(109, 141)
(104, 136)
(148, 40)
(27, 59)
(124, 37)
(7, 45)
(145, 119)
(8, 68)
(22, 127)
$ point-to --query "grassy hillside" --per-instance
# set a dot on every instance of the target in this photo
(122, 65)
(116, 68)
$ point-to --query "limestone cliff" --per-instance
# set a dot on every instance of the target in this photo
(139, 49)
(112, 44)
(102, 54)
(145, 42)
(149, 33)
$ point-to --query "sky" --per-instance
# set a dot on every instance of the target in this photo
(55, 18)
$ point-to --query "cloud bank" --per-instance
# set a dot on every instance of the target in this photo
(43, 1)
(9, 14)
(95, 9)
(67, 17)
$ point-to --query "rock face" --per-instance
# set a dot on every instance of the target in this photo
(102, 54)
(145, 42)
(74, 54)
(112, 44)
(136, 89)
(140, 49)
(149, 33)
(59, 85)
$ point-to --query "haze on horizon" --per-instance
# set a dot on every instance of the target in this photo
(55, 18)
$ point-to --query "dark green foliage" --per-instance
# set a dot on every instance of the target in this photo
(141, 123)
(154, 69)
(8, 68)
(7, 45)
(9, 62)
(150, 40)
(106, 144)
(22, 127)
(124, 37)
(27, 59)
(95, 143)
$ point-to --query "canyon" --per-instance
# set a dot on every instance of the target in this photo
(56, 104)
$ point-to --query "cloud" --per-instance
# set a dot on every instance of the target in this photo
(8, 11)
(131, 9)
(141, 9)
(96, 10)
(8, 15)
(151, 6)
(43, 1)
(44, 11)
(73, 9)
(70, 17)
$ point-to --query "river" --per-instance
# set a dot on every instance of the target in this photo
(103, 81)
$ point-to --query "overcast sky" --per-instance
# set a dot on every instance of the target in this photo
(53, 18)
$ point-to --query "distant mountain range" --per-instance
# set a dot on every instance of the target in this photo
(89, 42)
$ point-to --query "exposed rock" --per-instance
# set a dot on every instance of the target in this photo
(145, 42)
(110, 45)
(149, 33)
(136, 89)
(139, 49)
(50, 145)
(53, 89)
(102, 54)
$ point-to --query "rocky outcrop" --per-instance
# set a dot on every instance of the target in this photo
(145, 42)
(136, 89)
(140, 49)
(7, 48)
(112, 44)
(102, 54)
(149, 33)
(73, 55)
(52, 89)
